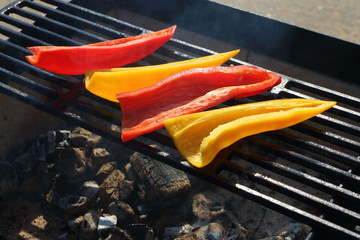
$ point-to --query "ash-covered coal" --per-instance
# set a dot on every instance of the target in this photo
(82, 186)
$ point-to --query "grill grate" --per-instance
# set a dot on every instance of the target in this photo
(315, 163)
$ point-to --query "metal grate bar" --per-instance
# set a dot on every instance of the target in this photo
(94, 111)
(306, 160)
(327, 136)
(341, 125)
(318, 148)
(51, 93)
(343, 111)
(56, 26)
(294, 192)
(12, 47)
(37, 32)
(73, 19)
(10, 63)
(316, 155)
(300, 176)
(118, 25)
(95, 17)
(18, 35)
(277, 205)
(331, 94)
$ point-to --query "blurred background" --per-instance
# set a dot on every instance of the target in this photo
(337, 18)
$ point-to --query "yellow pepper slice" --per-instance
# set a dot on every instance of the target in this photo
(200, 136)
(106, 83)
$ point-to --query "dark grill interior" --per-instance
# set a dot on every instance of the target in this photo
(315, 163)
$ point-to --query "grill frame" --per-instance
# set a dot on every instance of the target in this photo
(71, 98)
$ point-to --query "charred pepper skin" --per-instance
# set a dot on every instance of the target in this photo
(200, 136)
(106, 83)
(76, 60)
(187, 92)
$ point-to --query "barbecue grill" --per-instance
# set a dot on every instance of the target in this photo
(321, 153)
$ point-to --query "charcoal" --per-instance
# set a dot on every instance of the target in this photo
(141, 192)
(274, 238)
(62, 136)
(173, 232)
(208, 205)
(81, 137)
(166, 181)
(129, 172)
(46, 144)
(123, 211)
(8, 179)
(99, 157)
(72, 161)
(74, 224)
(118, 234)
(115, 187)
(106, 225)
(139, 231)
(73, 204)
(90, 190)
(292, 231)
(105, 171)
(88, 226)
(212, 231)
(59, 187)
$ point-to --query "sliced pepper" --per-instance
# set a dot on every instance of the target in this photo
(200, 136)
(187, 92)
(76, 60)
(107, 83)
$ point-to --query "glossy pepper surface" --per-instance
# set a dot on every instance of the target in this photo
(76, 60)
(187, 92)
(106, 83)
(200, 136)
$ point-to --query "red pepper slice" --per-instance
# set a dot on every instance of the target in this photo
(76, 60)
(187, 92)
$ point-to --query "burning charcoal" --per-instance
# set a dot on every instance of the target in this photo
(8, 179)
(166, 181)
(72, 161)
(81, 137)
(208, 205)
(115, 187)
(106, 225)
(105, 171)
(89, 189)
(73, 203)
(123, 211)
(139, 231)
(88, 227)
